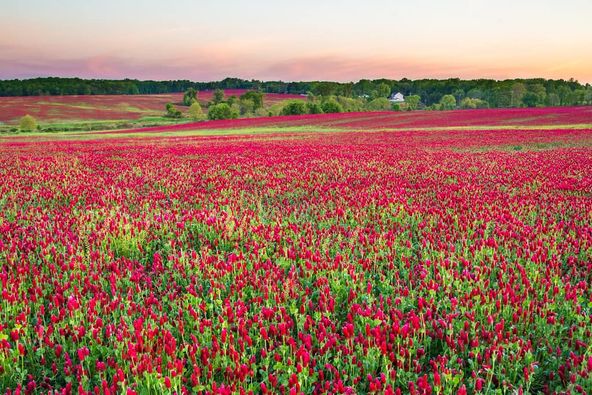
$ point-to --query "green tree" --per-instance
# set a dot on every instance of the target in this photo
(231, 100)
(255, 97)
(246, 106)
(331, 106)
(501, 97)
(195, 112)
(468, 103)
(172, 112)
(458, 94)
(351, 104)
(412, 102)
(218, 96)
(588, 95)
(518, 92)
(221, 111)
(553, 99)
(313, 108)
(564, 92)
(28, 123)
(325, 88)
(447, 102)
(577, 97)
(235, 111)
(379, 104)
(530, 99)
(541, 92)
(383, 90)
(294, 107)
(189, 97)
(475, 93)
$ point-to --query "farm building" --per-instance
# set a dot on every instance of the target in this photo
(397, 98)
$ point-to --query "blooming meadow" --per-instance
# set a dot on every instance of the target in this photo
(500, 118)
(105, 107)
(421, 262)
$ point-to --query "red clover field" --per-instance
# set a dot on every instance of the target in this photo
(419, 261)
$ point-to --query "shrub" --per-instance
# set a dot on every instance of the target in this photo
(448, 102)
(380, 104)
(247, 106)
(255, 97)
(221, 111)
(195, 112)
(189, 97)
(467, 102)
(313, 108)
(331, 106)
(294, 107)
(172, 112)
(351, 104)
(218, 96)
(28, 123)
(412, 102)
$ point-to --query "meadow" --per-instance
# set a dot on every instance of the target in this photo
(386, 253)
(55, 109)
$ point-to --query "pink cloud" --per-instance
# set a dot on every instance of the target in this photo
(329, 67)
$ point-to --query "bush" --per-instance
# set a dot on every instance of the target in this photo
(255, 97)
(313, 108)
(28, 123)
(350, 104)
(247, 106)
(468, 102)
(412, 102)
(195, 112)
(294, 107)
(218, 96)
(235, 111)
(275, 109)
(447, 102)
(189, 97)
(221, 111)
(331, 106)
(380, 104)
(172, 112)
(261, 112)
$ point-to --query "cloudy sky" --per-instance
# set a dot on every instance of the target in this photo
(296, 40)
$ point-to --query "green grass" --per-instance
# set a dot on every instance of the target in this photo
(79, 126)
(81, 135)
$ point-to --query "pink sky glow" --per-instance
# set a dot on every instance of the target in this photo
(322, 40)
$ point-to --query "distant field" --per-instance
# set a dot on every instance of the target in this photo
(104, 107)
(498, 118)
(494, 123)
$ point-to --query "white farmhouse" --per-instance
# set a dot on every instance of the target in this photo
(397, 98)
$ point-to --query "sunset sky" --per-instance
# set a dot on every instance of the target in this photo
(296, 40)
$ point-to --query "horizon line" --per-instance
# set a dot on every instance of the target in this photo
(301, 80)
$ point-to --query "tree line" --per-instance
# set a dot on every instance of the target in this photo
(466, 93)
